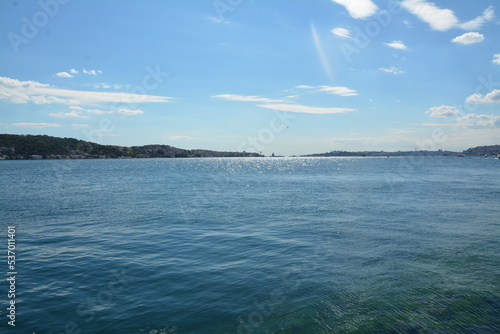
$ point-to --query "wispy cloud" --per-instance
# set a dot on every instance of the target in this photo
(37, 125)
(76, 112)
(469, 38)
(491, 97)
(99, 112)
(341, 32)
(74, 71)
(91, 72)
(341, 91)
(358, 9)
(129, 112)
(397, 45)
(305, 109)
(64, 75)
(102, 85)
(479, 121)
(443, 111)
(392, 69)
(218, 20)
(243, 98)
(175, 137)
(478, 22)
(444, 19)
(496, 59)
(15, 91)
(472, 121)
(401, 131)
(71, 114)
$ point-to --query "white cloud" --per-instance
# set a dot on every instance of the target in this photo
(392, 69)
(341, 32)
(397, 45)
(15, 91)
(76, 108)
(358, 9)
(80, 125)
(443, 111)
(73, 71)
(99, 112)
(305, 109)
(91, 72)
(130, 112)
(36, 125)
(341, 91)
(478, 22)
(234, 97)
(402, 131)
(102, 85)
(479, 121)
(491, 97)
(71, 114)
(496, 59)
(43, 99)
(437, 18)
(64, 75)
(469, 38)
(444, 19)
(218, 19)
(174, 137)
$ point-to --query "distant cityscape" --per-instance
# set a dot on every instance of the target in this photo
(37, 147)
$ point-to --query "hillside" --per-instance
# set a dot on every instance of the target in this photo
(483, 150)
(47, 147)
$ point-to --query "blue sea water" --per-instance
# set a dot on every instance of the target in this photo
(253, 245)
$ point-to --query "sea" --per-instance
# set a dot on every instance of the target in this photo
(251, 245)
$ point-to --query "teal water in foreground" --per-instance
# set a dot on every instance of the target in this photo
(253, 245)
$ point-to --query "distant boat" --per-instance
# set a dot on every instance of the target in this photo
(498, 156)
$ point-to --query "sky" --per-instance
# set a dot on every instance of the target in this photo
(288, 77)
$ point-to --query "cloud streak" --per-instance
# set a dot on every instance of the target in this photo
(341, 32)
(397, 45)
(392, 69)
(243, 98)
(305, 109)
(341, 91)
(16, 91)
(37, 125)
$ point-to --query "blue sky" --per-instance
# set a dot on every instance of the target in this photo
(289, 77)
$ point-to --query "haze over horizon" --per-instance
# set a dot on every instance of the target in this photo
(294, 77)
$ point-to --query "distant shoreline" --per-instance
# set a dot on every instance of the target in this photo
(43, 147)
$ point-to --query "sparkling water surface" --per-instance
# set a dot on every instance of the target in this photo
(253, 245)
